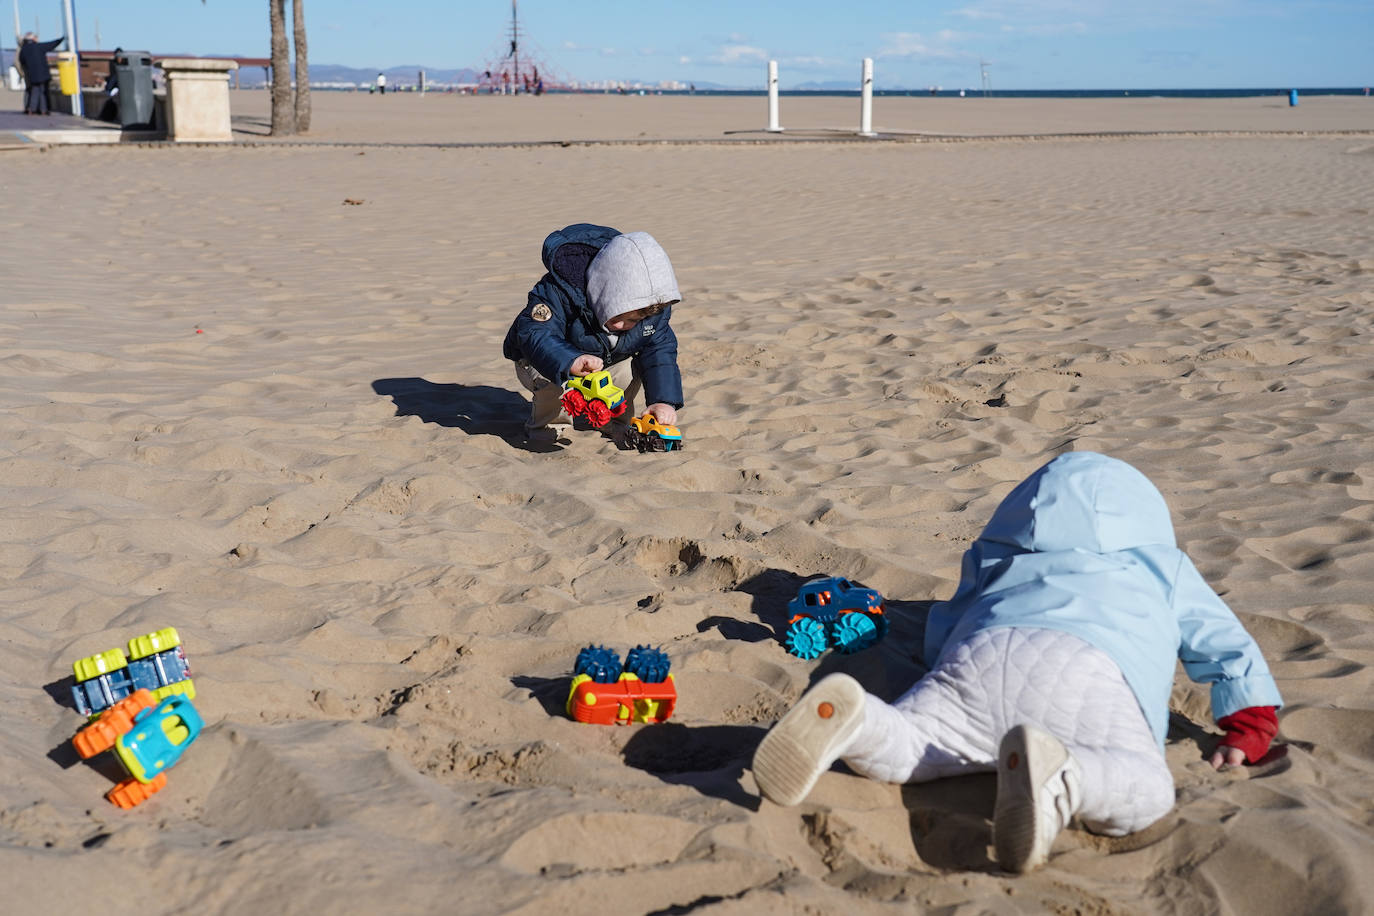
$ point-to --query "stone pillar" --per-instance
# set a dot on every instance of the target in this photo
(198, 99)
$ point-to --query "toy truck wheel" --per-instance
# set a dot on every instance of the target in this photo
(648, 664)
(805, 638)
(855, 631)
(130, 793)
(96, 738)
(153, 643)
(574, 403)
(599, 663)
(880, 621)
(96, 665)
(598, 414)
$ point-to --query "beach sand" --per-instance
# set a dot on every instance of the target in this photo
(237, 404)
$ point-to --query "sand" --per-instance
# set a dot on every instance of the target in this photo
(235, 404)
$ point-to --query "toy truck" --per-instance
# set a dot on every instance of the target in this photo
(156, 662)
(648, 435)
(604, 692)
(832, 611)
(148, 737)
(593, 396)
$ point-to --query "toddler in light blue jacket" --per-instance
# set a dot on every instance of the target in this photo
(1052, 664)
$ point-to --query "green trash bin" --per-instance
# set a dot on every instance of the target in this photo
(134, 79)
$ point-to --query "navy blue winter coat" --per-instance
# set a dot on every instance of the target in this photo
(573, 329)
(33, 60)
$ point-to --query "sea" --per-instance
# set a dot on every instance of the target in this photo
(1033, 93)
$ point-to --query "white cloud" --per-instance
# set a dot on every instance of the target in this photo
(739, 54)
(587, 49)
(1058, 17)
(1061, 28)
(805, 62)
(684, 59)
(912, 44)
(971, 12)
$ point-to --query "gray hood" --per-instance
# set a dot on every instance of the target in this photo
(631, 272)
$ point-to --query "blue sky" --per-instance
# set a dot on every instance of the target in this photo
(1029, 44)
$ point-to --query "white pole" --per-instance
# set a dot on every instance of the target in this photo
(866, 107)
(69, 13)
(773, 97)
(17, 44)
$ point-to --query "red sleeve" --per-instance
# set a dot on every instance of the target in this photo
(1250, 730)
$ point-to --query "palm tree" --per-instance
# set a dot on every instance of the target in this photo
(283, 114)
(288, 118)
(302, 69)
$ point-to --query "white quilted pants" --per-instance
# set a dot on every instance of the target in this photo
(953, 719)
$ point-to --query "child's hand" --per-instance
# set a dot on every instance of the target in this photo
(585, 364)
(1248, 734)
(1227, 756)
(664, 413)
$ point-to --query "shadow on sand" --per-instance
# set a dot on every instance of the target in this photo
(478, 410)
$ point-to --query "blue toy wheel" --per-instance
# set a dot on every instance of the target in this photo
(599, 663)
(805, 638)
(648, 664)
(882, 622)
(855, 631)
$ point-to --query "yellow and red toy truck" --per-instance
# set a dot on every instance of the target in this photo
(593, 396)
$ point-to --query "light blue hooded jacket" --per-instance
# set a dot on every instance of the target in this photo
(1085, 545)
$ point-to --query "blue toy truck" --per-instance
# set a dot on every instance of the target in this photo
(156, 663)
(832, 611)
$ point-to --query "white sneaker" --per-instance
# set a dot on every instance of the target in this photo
(806, 741)
(1039, 789)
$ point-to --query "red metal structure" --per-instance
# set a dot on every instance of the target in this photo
(520, 68)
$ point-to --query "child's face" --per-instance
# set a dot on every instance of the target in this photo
(630, 319)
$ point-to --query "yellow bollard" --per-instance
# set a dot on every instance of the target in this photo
(67, 79)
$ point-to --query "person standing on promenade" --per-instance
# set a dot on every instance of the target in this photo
(381, 83)
(33, 61)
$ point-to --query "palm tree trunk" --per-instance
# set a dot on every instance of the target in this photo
(283, 116)
(302, 69)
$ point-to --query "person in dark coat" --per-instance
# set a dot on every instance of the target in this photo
(605, 303)
(109, 110)
(33, 61)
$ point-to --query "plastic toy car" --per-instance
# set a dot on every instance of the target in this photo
(648, 435)
(605, 693)
(147, 736)
(156, 662)
(593, 396)
(832, 611)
